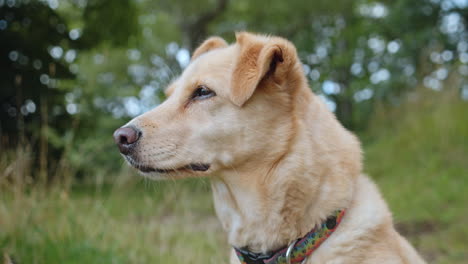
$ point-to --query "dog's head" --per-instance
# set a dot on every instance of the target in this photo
(230, 107)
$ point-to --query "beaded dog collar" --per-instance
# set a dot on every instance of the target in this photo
(298, 250)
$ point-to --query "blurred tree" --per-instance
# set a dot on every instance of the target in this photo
(114, 22)
(32, 39)
(78, 69)
(36, 50)
(355, 53)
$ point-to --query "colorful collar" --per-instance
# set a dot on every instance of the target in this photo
(297, 251)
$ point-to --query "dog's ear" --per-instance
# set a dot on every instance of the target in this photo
(209, 44)
(259, 58)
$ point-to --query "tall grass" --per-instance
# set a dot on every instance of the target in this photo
(140, 223)
(417, 152)
(129, 220)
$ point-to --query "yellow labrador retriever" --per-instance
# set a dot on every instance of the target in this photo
(286, 176)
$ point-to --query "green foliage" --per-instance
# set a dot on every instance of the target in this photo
(109, 21)
(113, 60)
(418, 157)
(38, 82)
(25, 61)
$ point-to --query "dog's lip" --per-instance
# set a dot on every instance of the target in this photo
(192, 167)
(148, 169)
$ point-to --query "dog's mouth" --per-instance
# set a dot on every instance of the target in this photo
(190, 167)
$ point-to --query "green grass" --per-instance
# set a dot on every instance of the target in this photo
(146, 223)
(417, 153)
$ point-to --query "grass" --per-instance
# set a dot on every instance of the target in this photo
(417, 153)
(145, 223)
(420, 161)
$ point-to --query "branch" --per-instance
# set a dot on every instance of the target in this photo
(196, 30)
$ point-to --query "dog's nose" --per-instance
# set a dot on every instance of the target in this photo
(125, 138)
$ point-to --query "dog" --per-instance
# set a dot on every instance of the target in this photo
(286, 176)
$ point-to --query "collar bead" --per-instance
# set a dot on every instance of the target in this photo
(302, 248)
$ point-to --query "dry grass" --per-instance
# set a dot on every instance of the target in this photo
(164, 223)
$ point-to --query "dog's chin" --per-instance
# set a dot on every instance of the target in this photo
(190, 170)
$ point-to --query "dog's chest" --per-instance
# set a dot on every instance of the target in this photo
(245, 220)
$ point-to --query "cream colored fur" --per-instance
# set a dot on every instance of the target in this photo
(280, 161)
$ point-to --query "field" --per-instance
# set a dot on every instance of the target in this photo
(417, 153)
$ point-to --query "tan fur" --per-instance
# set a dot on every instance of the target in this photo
(280, 161)
(209, 44)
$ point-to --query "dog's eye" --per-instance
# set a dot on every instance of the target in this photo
(202, 92)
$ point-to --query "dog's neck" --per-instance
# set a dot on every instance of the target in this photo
(266, 206)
